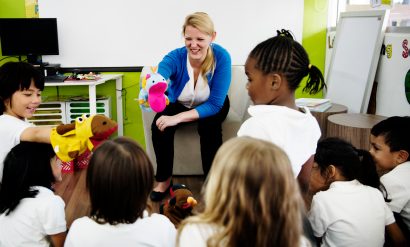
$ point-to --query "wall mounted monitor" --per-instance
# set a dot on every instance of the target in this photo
(31, 37)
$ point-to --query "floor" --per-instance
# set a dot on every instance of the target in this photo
(72, 190)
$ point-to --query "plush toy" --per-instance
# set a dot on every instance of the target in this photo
(74, 140)
(152, 93)
(180, 205)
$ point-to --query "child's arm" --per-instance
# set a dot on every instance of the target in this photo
(36, 134)
(57, 240)
(396, 235)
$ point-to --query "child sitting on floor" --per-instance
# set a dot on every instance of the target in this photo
(30, 213)
(20, 95)
(251, 199)
(119, 179)
(390, 149)
(348, 208)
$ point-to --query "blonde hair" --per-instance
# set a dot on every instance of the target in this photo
(203, 23)
(252, 196)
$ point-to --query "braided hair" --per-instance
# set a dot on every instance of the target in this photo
(282, 54)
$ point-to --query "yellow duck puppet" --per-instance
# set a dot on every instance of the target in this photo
(180, 205)
(73, 140)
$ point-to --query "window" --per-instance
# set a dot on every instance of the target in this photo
(399, 10)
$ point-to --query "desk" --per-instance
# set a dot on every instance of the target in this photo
(321, 117)
(353, 127)
(92, 92)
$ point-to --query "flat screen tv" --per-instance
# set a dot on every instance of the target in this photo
(31, 37)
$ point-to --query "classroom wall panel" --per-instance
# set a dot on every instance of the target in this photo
(122, 33)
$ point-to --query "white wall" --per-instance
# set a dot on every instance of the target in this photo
(122, 33)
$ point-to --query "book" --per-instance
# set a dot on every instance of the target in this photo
(320, 108)
(310, 102)
(313, 104)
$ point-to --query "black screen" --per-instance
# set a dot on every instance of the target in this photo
(28, 36)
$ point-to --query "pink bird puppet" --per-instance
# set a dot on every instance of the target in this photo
(152, 93)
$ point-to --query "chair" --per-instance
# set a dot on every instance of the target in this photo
(187, 154)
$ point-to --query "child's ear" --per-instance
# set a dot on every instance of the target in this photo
(276, 81)
(402, 156)
(330, 174)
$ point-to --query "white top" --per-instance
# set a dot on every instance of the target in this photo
(10, 132)
(192, 95)
(154, 230)
(33, 220)
(297, 133)
(350, 214)
(197, 234)
(397, 184)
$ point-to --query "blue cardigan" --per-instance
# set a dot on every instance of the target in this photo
(173, 67)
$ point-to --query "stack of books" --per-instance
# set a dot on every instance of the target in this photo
(315, 105)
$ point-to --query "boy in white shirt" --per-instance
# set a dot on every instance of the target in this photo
(390, 148)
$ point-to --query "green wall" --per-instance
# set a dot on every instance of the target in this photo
(12, 8)
(314, 40)
(314, 37)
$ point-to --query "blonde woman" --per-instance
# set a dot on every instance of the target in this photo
(200, 75)
(252, 199)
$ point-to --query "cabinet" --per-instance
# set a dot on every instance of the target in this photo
(92, 91)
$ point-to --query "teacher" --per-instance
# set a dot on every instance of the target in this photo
(199, 77)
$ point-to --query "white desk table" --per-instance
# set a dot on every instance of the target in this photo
(92, 93)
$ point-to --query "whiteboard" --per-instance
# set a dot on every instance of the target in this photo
(127, 33)
(393, 68)
(356, 52)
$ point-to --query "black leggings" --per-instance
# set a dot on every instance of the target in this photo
(209, 130)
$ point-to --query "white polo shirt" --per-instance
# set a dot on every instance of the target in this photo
(397, 184)
(10, 132)
(350, 214)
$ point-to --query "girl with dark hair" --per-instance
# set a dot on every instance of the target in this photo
(30, 213)
(119, 180)
(20, 95)
(349, 206)
(275, 69)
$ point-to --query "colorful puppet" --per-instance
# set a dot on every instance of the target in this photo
(180, 205)
(73, 140)
(152, 93)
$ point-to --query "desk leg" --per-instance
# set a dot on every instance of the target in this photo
(118, 93)
(93, 100)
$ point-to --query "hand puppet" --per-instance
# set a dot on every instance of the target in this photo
(152, 93)
(180, 205)
(75, 139)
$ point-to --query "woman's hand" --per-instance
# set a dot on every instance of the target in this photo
(167, 121)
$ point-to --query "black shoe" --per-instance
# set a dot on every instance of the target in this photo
(157, 196)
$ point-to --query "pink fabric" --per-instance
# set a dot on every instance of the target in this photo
(156, 97)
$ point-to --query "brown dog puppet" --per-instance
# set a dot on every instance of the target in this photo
(180, 205)
(87, 132)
